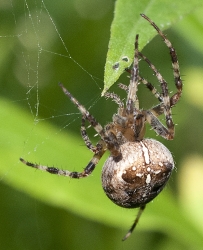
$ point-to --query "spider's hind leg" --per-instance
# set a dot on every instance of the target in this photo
(141, 209)
(87, 171)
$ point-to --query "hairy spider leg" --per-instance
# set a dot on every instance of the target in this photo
(166, 98)
(117, 100)
(132, 100)
(107, 137)
(175, 64)
(85, 113)
(84, 134)
(146, 83)
(156, 125)
(141, 209)
(85, 137)
(156, 110)
(94, 149)
(151, 88)
(87, 171)
(123, 86)
(151, 114)
(99, 149)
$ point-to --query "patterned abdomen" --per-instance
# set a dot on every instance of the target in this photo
(140, 175)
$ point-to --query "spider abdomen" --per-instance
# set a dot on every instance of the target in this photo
(140, 175)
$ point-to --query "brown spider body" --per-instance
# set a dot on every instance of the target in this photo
(138, 168)
(140, 175)
(123, 127)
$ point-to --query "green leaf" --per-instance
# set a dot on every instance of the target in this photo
(84, 197)
(193, 23)
(128, 22)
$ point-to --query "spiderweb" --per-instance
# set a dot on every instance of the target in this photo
(43, 42)
(48, 43)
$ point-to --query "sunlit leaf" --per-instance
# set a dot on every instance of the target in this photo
(128, 22)
(84, 197)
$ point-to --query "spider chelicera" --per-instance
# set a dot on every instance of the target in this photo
(137, 168)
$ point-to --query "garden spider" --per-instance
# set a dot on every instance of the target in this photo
(137, 168)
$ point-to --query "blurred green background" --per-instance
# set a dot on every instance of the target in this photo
(43, 43)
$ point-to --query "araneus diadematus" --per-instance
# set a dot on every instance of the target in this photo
(137, 168)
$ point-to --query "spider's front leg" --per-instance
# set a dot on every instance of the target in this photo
(166, 99)
(175, 64)
(87, 171)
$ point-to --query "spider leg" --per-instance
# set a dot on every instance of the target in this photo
(123, 86)
(158, 109)
(86, 138)
(157, 126)
(175, 64)
(146, 83)
(99, 129)
(141, 209)
(84, 112)
(132, 100)
(117, 100)
(165, 96)
(151, 88)
(87, 171)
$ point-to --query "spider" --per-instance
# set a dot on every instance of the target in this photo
(137, 169)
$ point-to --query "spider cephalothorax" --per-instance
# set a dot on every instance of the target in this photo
(137, 168)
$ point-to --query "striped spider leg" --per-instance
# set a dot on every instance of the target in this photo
(168, 102)
(108, 140)
(175, 65)
(99, 150)
(138, 168)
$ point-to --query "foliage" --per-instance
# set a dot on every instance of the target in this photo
(127, 22)
(42, 211)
